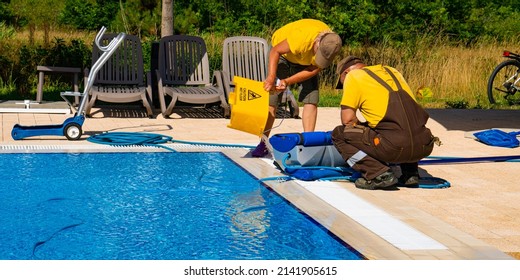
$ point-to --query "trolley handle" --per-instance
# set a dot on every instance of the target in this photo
(107, 51)
(111, 45)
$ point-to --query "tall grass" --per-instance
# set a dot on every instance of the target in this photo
(454, 73)
(21, 37)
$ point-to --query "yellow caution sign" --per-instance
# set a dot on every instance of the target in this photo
(249, 106)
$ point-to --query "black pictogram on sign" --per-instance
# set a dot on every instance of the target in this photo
(252, 95)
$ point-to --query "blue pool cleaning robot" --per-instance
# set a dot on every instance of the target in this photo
(309, 156)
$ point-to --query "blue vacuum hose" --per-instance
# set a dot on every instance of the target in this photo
(147, 139)
(131, 138)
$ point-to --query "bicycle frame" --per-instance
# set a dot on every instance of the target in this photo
(516, 76)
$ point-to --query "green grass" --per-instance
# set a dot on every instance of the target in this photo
(51, 92)
(332, 98)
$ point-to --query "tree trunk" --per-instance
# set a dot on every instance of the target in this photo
(167, 18)
(46, 34)
(32, 30)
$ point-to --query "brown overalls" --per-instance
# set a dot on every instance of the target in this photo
(400, 137)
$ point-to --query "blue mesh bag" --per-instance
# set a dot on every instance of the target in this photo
(499, 138)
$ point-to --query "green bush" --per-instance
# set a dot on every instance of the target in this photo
(18, 68)
(88, 15)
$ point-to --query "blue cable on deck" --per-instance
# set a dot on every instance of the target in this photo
(451, 160)
(213, 144)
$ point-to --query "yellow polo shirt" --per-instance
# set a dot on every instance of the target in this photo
(300, 35)
(360, 91)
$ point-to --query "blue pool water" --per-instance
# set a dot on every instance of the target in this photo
(134, 206)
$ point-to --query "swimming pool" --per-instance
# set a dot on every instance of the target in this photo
(149, 206)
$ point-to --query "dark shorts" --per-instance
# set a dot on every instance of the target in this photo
(309, 93)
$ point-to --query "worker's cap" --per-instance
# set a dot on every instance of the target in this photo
(343, 65)
(328, 48)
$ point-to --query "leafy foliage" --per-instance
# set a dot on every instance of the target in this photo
(88, 14)
(141, 17)
(369, 28)
(357, 21)
(60, 53)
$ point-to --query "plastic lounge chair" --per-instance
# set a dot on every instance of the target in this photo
(247, 57)
(183, 74)
(121, 79)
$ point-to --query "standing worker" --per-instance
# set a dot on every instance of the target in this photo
(394, 131)
(301, 49)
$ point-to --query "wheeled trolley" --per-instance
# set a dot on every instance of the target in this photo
(71, 127)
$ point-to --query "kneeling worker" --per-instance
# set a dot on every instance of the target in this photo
(394, 131)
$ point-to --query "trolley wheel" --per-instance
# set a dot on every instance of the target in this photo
(72, 131)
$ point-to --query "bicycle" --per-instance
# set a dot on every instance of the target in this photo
(504, 82)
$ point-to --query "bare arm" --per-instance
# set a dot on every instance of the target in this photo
(348, 116)
(303, 75)
(274, 56)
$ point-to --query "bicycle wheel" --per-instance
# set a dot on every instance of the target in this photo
(500, 84)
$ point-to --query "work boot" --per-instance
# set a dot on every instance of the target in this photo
(260, 150)
(407, 180)
(410, 175)
(383, 181)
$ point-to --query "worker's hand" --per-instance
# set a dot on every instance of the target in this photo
(281, 85)
(269, 84)
(275, 87)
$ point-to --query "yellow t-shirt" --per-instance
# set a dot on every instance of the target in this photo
(360, 91)
(300, 35)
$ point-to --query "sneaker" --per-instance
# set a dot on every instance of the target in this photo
(408, 180)
(383, 181)
(260, 150)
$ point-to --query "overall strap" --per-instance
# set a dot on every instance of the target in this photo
(394, 78)
(378, 79)
(383, 83)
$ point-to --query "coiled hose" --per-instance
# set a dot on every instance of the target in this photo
(148, 139)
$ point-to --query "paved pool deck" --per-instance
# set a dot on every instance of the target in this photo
(478, 217)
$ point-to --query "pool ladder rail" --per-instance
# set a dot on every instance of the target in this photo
(71, 127)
